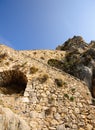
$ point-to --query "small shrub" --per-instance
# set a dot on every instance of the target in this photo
(35, 52)
(64, 83)
(87, 93)
(3, 56)
(42, 58)
(50, 100)
(47, 112)
(73, 90)
(1, 102)
(33, 70)
(7, 63)
(17, 67)
(43, 78)
(56, 63)
(59, 82)
(66, 95)
(93, 101)
(11, 59)
(23, 64)
(72, 98)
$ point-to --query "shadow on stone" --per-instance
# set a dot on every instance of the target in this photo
(93, 87)
(12, 82)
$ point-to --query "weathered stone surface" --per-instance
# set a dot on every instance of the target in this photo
(89, 127)
(86, 74)
(9, 120)
(61, 127)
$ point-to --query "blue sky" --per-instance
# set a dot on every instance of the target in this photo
(44, 24)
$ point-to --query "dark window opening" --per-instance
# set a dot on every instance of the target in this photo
(12, 82)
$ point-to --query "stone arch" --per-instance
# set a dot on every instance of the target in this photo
(12, 82)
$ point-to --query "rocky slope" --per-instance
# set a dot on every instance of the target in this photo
(80, 60)
(42, 90)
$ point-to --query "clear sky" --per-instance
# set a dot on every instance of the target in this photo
(44, 24)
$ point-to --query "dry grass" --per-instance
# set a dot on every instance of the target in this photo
(33, 70)
(43, 78)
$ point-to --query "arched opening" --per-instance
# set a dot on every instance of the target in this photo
(12, 82)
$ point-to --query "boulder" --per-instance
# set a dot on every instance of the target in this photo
(11, 121)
